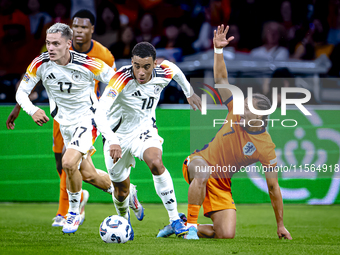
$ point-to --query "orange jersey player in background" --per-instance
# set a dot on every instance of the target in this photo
(235, 146)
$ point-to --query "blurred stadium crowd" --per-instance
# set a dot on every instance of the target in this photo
(263, 29)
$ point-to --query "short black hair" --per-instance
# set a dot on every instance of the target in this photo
(144, 50)
(85, 14)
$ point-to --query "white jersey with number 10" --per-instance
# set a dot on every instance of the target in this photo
(129, 105)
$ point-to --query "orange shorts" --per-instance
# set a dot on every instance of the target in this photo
(218, 194)
(58, 142)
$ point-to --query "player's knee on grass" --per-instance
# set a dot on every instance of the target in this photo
(224, 223)
(205, 231)
(224, 231)
(213, 231)
(224, 234)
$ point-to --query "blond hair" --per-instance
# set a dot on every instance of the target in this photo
(61, 28)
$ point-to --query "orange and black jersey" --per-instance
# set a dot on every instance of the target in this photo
(234, 146)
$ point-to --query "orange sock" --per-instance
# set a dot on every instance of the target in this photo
(193, 211)
(63, 197)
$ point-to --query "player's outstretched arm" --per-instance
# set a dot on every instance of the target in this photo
(276, 200)
(193, 99)
(220, 70)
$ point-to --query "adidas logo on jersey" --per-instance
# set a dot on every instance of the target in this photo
(76, 142)
(50, 76)
(137, 93)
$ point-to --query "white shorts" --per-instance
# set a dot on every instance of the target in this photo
(80, 136)
(132, 146)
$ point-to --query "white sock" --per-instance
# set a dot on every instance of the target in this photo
(74, 201)
(189, 225)
(165, 190)
(122, 208)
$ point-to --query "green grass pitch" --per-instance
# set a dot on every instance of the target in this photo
(25, 228)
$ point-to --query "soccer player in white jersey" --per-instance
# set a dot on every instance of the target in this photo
(83, 27)
(126, 118)
(68, 78)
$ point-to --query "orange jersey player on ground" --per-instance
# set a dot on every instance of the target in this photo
(234, 146)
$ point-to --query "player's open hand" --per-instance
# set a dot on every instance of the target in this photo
(194, 101)
(115, 152)
(12, 117)
(282, 232)
(40, 117)
(220, 37)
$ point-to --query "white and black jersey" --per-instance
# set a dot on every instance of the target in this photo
(126, 105)
(70, 88)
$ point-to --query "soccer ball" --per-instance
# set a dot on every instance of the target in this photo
(115, 229)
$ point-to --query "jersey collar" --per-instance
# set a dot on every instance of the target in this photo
(85, 51)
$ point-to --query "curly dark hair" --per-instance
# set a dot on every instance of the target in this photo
(143, 50)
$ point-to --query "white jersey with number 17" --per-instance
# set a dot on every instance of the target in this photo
(70, 88)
